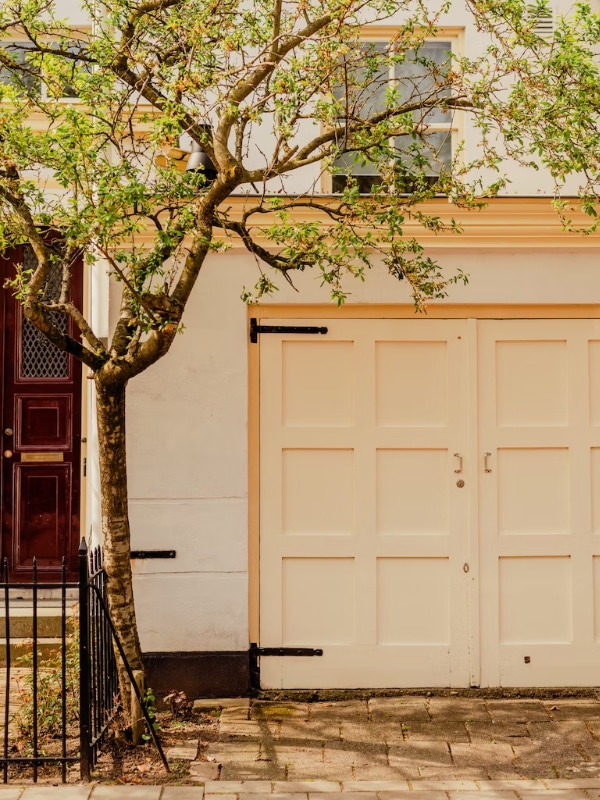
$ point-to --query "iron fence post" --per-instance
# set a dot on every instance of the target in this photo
(8, 665)
(84, 665)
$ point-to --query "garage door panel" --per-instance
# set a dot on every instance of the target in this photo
(596, 596)
(594, 484)
(411, 384)
(413, 601)
(319, 601)
(318, 491)
(319, 547)
(533, 490)
(359, 518)
(316, 438)
(535, 545)
(414, 439)
(412, 491)
(535, 600)
(531, 383)
(310, 371)
(414, 546)
(537, 504)
(594, 381)
(540, 438)
(365, 547)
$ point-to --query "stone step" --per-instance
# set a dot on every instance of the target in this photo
(23, 647)
(49, 627)
(21, 621)
(48, 596)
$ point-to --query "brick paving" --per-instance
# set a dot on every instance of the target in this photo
(425, 748)
(410, 738)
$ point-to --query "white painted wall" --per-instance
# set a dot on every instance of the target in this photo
(187, 433)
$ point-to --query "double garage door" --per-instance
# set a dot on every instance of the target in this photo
(430, 503)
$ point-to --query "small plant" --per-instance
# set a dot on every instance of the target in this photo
(178, 704)
(49, 691)
(150, 706)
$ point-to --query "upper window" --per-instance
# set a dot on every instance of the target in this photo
(425, 149)
(20, 53)
(30, 78)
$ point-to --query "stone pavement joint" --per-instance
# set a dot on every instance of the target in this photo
(557, 789)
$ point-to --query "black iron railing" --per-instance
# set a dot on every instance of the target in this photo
(81, 724)
(23, 674)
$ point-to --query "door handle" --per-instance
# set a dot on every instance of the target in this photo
(485, 462)
(460, 458)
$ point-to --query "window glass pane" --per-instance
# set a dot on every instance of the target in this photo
(363, 88)
(19, 53)
(434, 148)
(417, 74)
(75, 68)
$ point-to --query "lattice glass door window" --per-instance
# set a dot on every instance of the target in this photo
(39, 357)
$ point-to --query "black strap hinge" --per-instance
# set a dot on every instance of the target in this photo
(255, 329)
(255, 652)
(286, 651)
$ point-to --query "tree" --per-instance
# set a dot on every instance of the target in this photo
(549, 112)
(268, 90)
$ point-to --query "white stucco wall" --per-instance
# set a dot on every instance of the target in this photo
(187, 423)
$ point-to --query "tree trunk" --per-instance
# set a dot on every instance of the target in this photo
(110, 413)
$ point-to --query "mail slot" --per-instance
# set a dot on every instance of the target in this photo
(42, 457)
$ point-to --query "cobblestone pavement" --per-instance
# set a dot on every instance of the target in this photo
(410, 738)
(427, 748)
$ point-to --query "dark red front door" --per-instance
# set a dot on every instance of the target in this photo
(41, 441)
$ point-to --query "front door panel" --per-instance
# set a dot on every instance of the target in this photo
(41, 443)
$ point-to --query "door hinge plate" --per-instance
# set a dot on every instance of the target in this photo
(286, 651)
(255, 652)
(139, 554)
(255, 329)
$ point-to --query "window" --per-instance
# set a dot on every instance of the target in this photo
(419, 77)
(21, 53)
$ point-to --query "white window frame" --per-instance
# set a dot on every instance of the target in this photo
(384, 34)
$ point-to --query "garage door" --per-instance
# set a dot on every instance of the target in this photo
(539, 417)
(392, 540)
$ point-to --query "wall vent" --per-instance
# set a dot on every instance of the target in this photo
(542, 21)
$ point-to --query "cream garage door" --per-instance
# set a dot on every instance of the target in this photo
(366, 533)
(539, 529)
(364, 504)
